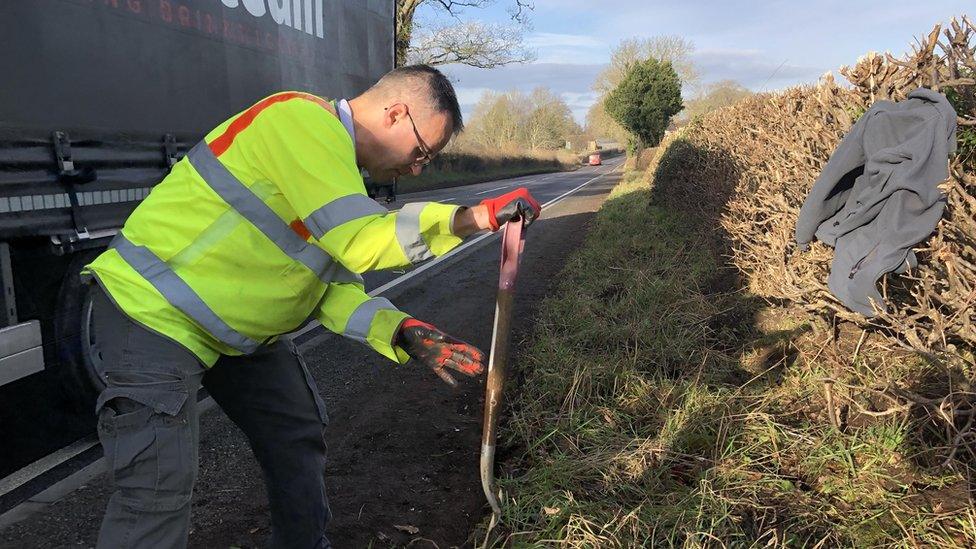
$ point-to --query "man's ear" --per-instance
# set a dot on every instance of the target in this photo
(393, 114)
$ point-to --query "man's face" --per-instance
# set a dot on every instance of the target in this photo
(408, 139)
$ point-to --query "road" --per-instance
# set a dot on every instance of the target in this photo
(403, 446)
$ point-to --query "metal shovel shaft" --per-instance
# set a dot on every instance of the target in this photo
(513, 241)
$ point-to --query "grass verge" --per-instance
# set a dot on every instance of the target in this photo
(658, 404)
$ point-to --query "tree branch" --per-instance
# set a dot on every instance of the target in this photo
(472, 43)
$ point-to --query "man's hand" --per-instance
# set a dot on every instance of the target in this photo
(513, 205)
(439, 351)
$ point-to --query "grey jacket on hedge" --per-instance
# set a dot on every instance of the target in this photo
(878, 194)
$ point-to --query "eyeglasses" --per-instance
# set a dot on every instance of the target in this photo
(424, 149)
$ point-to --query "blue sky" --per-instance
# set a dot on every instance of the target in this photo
(765, 45)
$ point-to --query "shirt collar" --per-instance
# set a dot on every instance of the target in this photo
(345, 116)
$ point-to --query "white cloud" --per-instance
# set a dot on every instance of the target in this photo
(579, 99)
(571, 81)
(567, 48)
(754, 68)
(558, 77)
(467, 97)
(554, 39)
(765, 45)
(579, 103)
(728, 52)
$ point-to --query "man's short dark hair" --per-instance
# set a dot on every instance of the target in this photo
(433, 82)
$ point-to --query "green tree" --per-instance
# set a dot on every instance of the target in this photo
(644, 102)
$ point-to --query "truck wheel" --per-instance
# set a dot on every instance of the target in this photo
(77, 349)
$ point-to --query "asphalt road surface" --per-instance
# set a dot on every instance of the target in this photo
(403, 446)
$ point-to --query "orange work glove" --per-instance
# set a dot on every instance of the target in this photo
(439, 351)
(513, 205)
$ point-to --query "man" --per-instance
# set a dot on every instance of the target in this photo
(262, 226)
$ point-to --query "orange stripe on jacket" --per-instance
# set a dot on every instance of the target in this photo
(300, 229)
(223, 142)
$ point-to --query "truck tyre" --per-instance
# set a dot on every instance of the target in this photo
(77, 350)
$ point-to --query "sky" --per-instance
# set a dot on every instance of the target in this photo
(764, 45)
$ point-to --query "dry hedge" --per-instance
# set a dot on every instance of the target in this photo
(749, 167)
(773, 146)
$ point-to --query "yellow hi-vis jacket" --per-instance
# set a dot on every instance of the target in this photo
(264, 224)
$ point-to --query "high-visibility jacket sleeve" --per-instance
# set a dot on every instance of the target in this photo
(349, 311)
(309, 155)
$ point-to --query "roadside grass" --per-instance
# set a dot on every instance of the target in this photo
(658, 404)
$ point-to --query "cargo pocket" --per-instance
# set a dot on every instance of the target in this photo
(148, 442)
(310, 381)
(177, 463)
(127, 439)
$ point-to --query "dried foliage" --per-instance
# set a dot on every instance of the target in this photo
(751, 166)
(778, 144)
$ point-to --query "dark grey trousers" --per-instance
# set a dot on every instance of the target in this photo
(148, 424)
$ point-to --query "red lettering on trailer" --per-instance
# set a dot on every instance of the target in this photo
(215, 25)
(166, 11)
(183, 13)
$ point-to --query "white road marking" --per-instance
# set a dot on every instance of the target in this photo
(27, 473)
(65, 486)
(498, 189)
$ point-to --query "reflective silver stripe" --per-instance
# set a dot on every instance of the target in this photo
(362, 318)
(339, 211)
(342, 274)
(408, 232)
(252, 208)
(179, 293)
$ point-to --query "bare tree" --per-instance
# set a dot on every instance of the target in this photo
(671, 48)
(599, 125)
(550, 123)
(496, 121)
(406, 27)
(715, 95)
(518, 121)
(471, 43)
